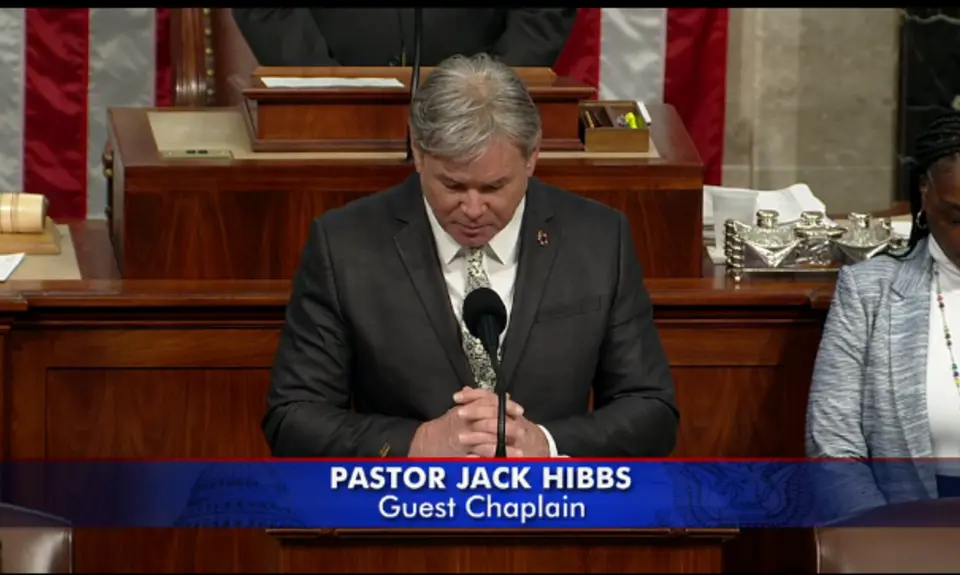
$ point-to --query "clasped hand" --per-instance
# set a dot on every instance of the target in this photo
(469, 429)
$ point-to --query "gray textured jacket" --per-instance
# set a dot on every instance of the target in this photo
(868, 395)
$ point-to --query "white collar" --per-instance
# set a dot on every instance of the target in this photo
(948, 269)
(503, 247)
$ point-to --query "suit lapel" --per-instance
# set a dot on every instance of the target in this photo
(418, 252)
(539, 242)
(909, 327)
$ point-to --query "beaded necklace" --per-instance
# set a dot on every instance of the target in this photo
(946, 330)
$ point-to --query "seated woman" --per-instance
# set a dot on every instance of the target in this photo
(886, 383)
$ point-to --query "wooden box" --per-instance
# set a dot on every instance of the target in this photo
(301, 119)
(598, 120)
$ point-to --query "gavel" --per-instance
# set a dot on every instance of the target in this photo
(22, 213)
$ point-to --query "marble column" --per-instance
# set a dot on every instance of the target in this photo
(930, 71)
(812, 97)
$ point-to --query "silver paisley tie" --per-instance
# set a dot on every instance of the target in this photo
(479, 361)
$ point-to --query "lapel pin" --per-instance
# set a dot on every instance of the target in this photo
(542, 238)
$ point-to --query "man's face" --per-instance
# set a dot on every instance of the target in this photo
(474, 201)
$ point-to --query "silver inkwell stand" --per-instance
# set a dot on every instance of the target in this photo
(812, 244)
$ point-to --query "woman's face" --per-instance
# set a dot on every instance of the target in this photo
(940, 191)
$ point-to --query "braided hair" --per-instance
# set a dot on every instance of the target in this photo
(939, 140)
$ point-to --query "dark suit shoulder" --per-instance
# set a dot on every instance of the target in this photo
(591, 232)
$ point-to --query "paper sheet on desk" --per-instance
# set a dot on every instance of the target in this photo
(789, 202)
(9, 263)
(293, 82)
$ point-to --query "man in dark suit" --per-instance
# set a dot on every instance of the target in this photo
(384, 36)
(374, 320)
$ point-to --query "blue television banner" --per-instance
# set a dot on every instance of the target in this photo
(385, 493)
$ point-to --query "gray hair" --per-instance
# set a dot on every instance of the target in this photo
(466, 102)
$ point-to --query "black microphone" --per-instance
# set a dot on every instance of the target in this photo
(485, 317)
(415, 73)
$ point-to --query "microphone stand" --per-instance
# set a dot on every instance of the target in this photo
(490, 341)
(415, 72)
(501, 408)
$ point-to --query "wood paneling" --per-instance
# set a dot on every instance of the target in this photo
(168, 413)
(248, 219)
(175, 551)
(737, 383)
(508, 553)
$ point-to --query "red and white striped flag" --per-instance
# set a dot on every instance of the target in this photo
(672, 55)
(62, 69)
(65, 66)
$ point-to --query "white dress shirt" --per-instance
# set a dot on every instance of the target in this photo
(943, 397)
(500, 263)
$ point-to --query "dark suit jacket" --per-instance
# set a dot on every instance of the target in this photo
(370, 323)
(377, 36)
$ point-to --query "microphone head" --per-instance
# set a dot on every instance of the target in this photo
(483, 303)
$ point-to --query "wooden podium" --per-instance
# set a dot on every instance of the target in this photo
(229, 193)
(503, 551)
(374, 118)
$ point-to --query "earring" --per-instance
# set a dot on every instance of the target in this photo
(920, 220)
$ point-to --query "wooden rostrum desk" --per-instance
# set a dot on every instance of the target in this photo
(245, 214)
(109, 367)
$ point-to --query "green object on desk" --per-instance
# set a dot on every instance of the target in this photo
(631, 120)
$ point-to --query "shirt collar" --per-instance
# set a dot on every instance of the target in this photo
(503, 247)
(950, 271)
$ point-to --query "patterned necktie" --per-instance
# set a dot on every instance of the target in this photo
(480, 364)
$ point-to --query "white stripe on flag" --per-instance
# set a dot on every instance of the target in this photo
(12, 31)
(122, 74)
(632, 53)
